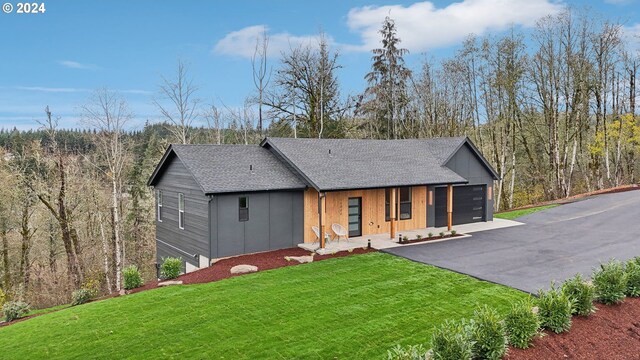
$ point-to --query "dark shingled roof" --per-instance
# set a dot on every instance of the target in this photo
(337, 164)
(226, 168)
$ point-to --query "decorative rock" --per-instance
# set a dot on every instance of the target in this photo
(122, 292)
(170, 282)
(242, 269)
(300, 259)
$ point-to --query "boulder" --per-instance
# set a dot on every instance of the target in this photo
(170, 282)
(300, 259)
(242, 269)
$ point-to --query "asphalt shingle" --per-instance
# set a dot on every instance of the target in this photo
(236, 168)
(337, 164)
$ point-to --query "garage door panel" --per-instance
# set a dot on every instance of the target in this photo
(468, 205)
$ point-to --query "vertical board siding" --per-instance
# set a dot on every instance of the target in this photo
(373, 211)
(275, 222)
(194, 238)
(467, 164)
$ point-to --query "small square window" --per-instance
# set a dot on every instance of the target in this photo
(243, 208)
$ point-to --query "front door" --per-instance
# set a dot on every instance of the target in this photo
(355, 216)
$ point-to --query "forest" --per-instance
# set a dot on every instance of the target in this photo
(553, 109)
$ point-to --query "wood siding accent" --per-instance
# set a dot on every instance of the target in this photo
(373, 214)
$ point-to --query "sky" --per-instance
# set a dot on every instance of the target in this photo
(59, 57)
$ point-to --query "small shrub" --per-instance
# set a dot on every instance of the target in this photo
(132, 277)
(632, 270)
(581, 294)
(15, 310)
(411, 352)
(3, 298)
(419, 237)
(82, 296)
(522, 323)
(610, 282)
(430, 235)
(488, 334)
(451, 341)
(453, 232)
(441, 233)
(405, 239)
(554, 309)
(171, 268)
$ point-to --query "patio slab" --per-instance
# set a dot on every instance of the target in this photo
(383, 241)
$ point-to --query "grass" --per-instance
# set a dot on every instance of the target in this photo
(47, 310)
(509, 215)
(351, 307)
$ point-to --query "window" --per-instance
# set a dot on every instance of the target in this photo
(403, 200)
(181, 210)
(243, 212)
(159, 202)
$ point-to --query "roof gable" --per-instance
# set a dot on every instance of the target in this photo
(231, 168)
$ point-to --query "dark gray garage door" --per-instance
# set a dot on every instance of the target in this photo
(468, 204)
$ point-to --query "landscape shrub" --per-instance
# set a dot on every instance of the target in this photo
(554, 309)
(3, 298)
(610, 282)
(15, 310)
(132, 277)
(441, 233)
(82, 296)
(451, 341)
(411, 352)
(171, 268)
(488, 334)
(581, 294)
(430, 235)
(522, 323)
(632, 270)
(453, 232)
(419, 237)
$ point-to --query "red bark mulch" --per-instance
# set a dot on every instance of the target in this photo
(264, 261)
(612, 332)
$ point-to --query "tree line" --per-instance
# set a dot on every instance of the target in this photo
(553, 110)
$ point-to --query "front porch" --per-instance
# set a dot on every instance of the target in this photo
(384, 241)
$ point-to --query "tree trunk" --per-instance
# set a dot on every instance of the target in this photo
(116, 233)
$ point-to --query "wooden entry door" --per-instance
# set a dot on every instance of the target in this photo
(355, 216)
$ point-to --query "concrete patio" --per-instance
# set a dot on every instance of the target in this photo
(383, 241)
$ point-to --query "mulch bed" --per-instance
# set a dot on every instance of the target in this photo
(264, 261)
(577, 197)
(427, 239)
(612, 332)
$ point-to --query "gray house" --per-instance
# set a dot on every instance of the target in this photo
(215, 201)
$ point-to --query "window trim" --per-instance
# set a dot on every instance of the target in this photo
(181, 206)
(244, 209)
(159, 205)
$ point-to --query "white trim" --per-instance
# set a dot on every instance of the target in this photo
(181, 206)
(159, 205)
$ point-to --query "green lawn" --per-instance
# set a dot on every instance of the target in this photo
(47, 310)
(354, 307)
(509, 215)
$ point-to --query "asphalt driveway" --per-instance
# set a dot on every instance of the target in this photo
(553, 245)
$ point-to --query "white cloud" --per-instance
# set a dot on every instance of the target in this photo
(76, 65)
(243, 42)
(51, 89)
(423, 26)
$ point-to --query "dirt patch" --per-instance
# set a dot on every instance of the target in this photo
(576, 197)
(264, 261)
(613, 332)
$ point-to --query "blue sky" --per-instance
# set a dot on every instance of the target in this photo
(59, 57)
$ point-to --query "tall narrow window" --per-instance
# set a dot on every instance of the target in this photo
(159, 201)
(243, 208)
(181, 210)
(403, 203)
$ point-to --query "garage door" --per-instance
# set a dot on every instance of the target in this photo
(468, 205)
